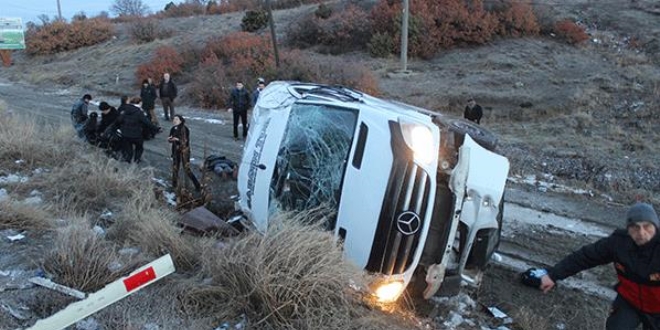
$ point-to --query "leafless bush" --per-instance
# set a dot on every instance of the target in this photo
(148, 30)
(15, 215)
(293, 277)
(154, 230)
(83, 260)
(36, 144)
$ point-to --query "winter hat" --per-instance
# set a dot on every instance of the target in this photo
(642, 212)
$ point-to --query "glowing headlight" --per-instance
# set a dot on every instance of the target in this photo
(389, 291)
(420, 139)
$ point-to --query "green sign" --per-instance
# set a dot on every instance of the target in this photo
(11, 33)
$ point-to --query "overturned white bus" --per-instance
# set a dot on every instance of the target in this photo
(416, 194)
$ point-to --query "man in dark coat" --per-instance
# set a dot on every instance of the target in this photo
(473, 111)
(149, 95)
(167, 91)
(132, 122)
(239, 103)
(635, 253)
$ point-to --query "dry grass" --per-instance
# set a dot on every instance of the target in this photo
(83, 260)
(91, 181)
(21, 216)
(293, 277)
(526, 319)
(153, 228)
(37, 144)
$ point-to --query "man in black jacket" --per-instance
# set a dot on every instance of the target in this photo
(132, 122)
(149, 95)
(473, 111)
(635, 253)
(239, 103)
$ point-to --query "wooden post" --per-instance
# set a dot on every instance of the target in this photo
(5, 55)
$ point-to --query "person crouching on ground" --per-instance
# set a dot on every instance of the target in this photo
(635, 252)
(180, 139)
(132, 122)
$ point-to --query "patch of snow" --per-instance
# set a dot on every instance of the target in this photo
(99, 231)
(89, 323)
(33, 201)
(19, 161)
(170, 197)
(160, 182)
(106, 215)
(16, 237)
(4, 196)
(208, 120)
(129, 251)
(519, 218)
(13, 178)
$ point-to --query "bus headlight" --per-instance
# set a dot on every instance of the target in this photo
(419, 138)
(387, 292)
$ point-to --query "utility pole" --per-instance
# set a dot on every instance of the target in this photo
(59, 10)
(404, 36)
(272, 33)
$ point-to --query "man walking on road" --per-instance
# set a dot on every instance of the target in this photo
(239, 103)
(167, 92)
(635, 253)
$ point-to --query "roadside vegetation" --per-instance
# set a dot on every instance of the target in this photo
(100, 219)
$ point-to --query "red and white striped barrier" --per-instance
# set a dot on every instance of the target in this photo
(107, 296)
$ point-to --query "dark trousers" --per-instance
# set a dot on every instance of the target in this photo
(168, 107)
(243, 116)
(177, 159)
(133, 148)
(626, 317)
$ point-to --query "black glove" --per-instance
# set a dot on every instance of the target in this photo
(532, 277)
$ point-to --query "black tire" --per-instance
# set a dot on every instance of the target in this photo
(460, 127)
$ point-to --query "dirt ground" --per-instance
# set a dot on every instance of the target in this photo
(577, 123)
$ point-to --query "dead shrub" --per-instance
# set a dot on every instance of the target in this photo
(145, 224)
(35, 143)
(210, 86)
(60, 36)
(20, 216)
(82, 260)
(570, 32)
(184, 9)
(148, 30)
(381, 45)
(333, 71)
(293, 277)
(343, 30)
(164, 59)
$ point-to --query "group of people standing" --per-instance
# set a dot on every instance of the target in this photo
(122, 131)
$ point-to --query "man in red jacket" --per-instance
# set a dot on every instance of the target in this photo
(635, 253)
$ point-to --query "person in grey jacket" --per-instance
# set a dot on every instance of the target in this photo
(79, 114)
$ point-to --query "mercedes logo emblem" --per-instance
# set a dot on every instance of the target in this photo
(408, 223)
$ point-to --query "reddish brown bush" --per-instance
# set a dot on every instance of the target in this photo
(164, 59)
(346, 29)
(434, 25)
(185, 9)
(517, 19)
(245, 55)
(60, 36)
(296, 66)
(210, 86)
(570, 32)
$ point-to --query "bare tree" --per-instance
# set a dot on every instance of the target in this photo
(129, 8)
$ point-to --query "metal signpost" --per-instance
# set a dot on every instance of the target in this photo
(11, 38)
